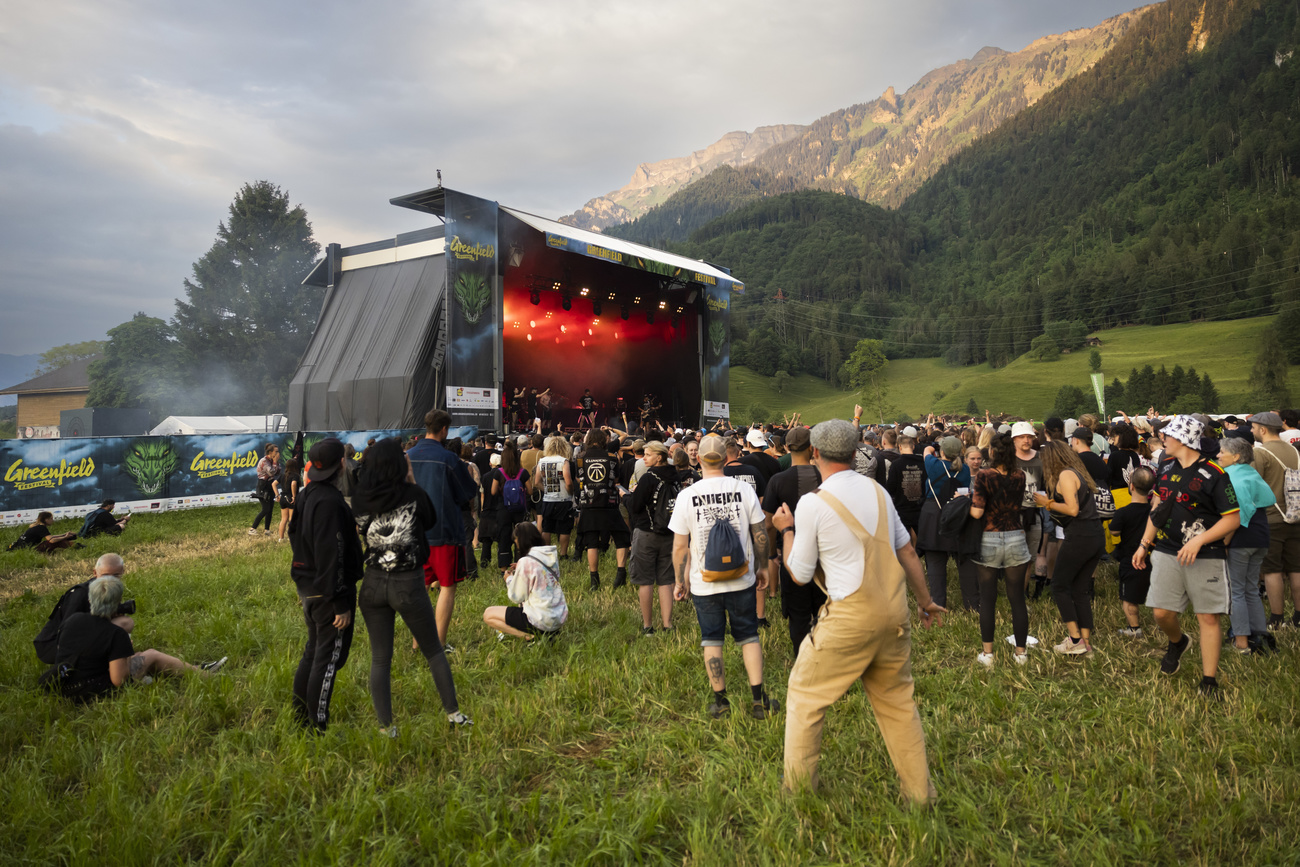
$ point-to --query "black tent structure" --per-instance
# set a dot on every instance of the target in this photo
(463, 314)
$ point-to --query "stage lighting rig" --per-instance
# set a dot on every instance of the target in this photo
(624, 312)
(566, 302)
(595, 308)
(534, 296)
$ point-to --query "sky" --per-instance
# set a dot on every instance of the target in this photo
(126, 128)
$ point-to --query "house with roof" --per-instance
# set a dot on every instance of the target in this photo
(42, 398)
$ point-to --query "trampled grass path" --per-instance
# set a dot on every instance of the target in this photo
(596, 749)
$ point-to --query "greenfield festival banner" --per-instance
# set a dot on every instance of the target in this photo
(70, 477)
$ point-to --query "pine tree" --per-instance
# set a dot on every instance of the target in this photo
(1268, 379)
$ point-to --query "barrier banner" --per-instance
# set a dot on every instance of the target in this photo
(717, 352)
(70, 477)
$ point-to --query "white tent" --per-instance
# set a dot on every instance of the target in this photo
(220, 424)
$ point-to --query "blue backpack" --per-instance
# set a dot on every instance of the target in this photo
(512, 494)
(724, 554)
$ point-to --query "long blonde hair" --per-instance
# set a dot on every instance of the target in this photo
(1058, 457)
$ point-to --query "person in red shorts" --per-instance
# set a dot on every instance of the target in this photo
(444, 478)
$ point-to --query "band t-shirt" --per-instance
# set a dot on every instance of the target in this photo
(702, 505)
(1201, 494)
(1033, 470)
(550, 474)
(748, 474)
(587, 402)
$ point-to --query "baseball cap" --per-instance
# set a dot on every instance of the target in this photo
(798, 439)
(1070, 426)
(324, 458)
(909, 431)
(1186, 430)
(1082, 434)
(1023, 428)
(523, 441)
(755, 438)
(1267, 419)
(713, 451)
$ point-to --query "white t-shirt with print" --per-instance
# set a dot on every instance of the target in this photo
(696, 510)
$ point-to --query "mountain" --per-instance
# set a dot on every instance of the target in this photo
(1157, 187)
(15, 369)
(652, 183)
(883, 150)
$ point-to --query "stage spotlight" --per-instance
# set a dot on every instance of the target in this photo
(611, 297)
(663, 304)
(595, 307)
(624, 312)
(534, 296)
(567, 303)
(583, 292)
(516, 256)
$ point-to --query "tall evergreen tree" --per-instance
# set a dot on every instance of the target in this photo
(247, 317)
(1268, 379)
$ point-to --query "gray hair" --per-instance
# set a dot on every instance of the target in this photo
(109, 564)
(1243, 450)
(835, 439)
(105, 596)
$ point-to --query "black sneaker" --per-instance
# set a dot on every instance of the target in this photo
(1295, 619)
(765, 708)
(647, 630)
(1211, 691)
(595, 582)
(1173, 656)
(719, 709)
(214, 667)
(620, 580)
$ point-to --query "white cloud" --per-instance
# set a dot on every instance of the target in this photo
(127, 127)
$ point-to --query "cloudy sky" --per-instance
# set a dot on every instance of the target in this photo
(126, 128)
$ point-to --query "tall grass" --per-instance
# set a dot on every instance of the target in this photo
(596, 749)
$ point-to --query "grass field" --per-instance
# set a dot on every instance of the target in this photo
(1225, 350)
(596, 749)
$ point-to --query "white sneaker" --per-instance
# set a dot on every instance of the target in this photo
(985, 659)
(1069, 647)
(390, 732)
(252, 531)
(214, 667)
(1020, 658)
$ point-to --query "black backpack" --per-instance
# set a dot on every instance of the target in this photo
(662, 502)
(599, 477)
(47, 642)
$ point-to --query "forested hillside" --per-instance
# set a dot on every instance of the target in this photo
(1157, 187)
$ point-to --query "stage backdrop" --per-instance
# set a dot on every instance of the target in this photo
(474, 299)
(717, 353)
(70, 477)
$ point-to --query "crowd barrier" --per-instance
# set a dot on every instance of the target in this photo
(70, 477)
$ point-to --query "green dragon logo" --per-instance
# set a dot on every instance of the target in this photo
(717, 337)
(472, 293)
(150, 462)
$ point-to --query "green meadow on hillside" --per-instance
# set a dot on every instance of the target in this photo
(596, 749)
(1225, 350)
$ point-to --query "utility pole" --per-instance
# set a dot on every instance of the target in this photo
(780, 314)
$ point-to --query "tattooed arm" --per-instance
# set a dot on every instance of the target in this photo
(762, 548)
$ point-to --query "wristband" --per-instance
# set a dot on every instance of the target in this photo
(787, 530)
(1150, 546)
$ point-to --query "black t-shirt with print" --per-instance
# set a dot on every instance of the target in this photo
(906, 484)
(749, 474)
(1201, 495)
(1120, 467)
(786, 487)
(1129, 524)
(587, 402)
(395, 537)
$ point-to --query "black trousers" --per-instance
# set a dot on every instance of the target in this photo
(1075, 563)
(267, 505)
(800, 604)
(324, 655)
(936, 576)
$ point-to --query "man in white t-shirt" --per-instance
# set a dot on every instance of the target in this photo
(718, 562)
(864, 632)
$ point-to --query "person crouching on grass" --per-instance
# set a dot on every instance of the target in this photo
(394, 514)
(714, 521)
(326, 567)
(1193, 508)
(864, 632)
(533, 584)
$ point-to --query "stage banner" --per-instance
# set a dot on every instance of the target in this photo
(70, 477)
(717, 350)
(476, 306)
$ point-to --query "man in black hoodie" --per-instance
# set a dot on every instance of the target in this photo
(327, 563)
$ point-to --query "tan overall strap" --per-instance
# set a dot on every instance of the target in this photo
(854, 525)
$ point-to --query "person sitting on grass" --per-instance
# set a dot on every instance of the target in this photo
(95, 655)
(101, 520)
(37, 535)
(533, 584)
(76, 600)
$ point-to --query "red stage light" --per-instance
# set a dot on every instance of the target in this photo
(584, 343)
(530, 337)
(532, 323)
(589, 332)
(564, 329)
(557, 340)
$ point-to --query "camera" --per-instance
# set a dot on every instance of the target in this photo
(125, 607)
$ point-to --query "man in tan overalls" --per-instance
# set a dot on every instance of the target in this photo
(849, 527)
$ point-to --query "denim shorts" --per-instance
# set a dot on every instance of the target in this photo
(714, 610)
(1002, 550)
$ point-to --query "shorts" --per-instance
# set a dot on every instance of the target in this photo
(1283, 549)
(597, 525)
(517, 619)
(557, 517)
(652, 558)
(1000, 550)
(1134, 585)
(444, 566)
(713, 612)
(1204, 584)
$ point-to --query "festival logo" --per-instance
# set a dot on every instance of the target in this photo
(149, 463)
(207, 468)
(470, 252)
(472, 294)
(717, 336)
(25, 478)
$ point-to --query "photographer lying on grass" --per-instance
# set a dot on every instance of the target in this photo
(95, 656)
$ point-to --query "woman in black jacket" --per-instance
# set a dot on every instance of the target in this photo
(393, 514)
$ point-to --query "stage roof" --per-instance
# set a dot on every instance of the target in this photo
(620, 252)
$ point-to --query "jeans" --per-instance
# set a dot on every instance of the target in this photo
(1001, 550)
(712, 612)
(1247, 612)
(384, 595)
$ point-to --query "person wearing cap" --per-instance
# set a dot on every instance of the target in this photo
(1193, 508)
(719, 537)
(1028, 462)
(756, 454)
(651, 567)
(327, 564)
(444, 477)
(1273, 457)
(799, 602)
(1242, 428)
(1081, 439)
(864, 632)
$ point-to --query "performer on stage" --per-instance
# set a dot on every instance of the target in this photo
(586, 409)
